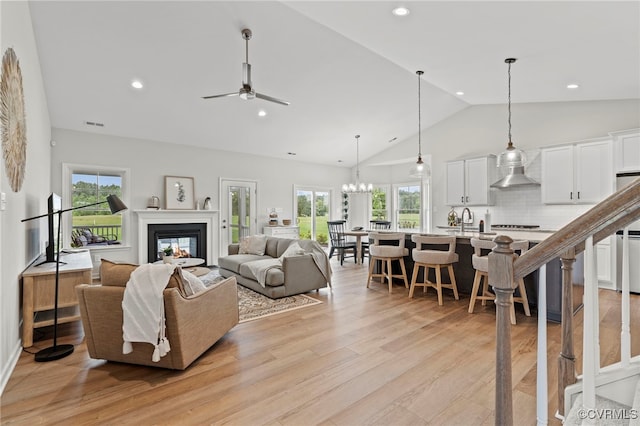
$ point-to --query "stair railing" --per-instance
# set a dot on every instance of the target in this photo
(616, 212)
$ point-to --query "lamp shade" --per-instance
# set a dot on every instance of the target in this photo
(115, 204)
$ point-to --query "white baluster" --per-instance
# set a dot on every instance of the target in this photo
(589, 366)
(542, 399)
(625, 333)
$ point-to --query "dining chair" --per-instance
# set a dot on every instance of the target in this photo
(339, 241)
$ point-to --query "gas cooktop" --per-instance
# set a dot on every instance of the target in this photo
(515, 226)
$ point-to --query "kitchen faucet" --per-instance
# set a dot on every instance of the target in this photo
(466, 209)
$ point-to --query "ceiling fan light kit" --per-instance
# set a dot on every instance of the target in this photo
(247, 92)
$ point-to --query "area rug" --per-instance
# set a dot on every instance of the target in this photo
(254, 305)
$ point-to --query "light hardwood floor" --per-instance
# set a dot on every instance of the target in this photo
(364, 356)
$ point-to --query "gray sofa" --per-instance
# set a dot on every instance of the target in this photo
(297, 274)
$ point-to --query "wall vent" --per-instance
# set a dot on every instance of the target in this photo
(94, 123)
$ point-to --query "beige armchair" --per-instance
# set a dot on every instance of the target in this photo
(193, 324)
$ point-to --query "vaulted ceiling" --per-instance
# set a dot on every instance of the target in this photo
(346, 67)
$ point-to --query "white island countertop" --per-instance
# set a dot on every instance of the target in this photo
(534, 236)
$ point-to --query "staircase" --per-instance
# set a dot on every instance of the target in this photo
(602, 393)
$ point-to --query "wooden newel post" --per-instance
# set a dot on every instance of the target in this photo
(501, 279)
(567, 359)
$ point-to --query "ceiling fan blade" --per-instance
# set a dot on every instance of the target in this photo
(221, 96)
(270, 99)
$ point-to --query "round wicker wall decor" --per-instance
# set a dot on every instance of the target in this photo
(12, 120)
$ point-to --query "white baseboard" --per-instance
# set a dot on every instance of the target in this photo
(7, 369)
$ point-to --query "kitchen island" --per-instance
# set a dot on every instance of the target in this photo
(465, 272)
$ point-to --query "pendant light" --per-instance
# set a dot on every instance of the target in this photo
(418, 170)
(512, 158)
(358, 187)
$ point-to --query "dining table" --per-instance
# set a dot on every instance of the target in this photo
(358, 234)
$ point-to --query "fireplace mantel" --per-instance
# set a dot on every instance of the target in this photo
(151, 217)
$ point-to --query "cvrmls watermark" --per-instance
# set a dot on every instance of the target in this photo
(608, 413)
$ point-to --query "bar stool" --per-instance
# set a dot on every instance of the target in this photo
(480, 263)
(387, 247)
(434, 259)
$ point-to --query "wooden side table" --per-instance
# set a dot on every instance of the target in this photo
(38, 292)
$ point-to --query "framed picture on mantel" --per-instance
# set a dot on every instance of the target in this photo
(179, 193)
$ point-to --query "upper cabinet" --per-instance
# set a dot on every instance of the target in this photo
(468, 181)
(577, 174)
(627, 150)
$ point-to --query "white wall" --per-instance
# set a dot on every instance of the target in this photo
(481, 130)
(150, 161)
(20, 242)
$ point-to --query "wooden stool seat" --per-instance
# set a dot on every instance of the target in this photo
(382, 250)
(436, 260)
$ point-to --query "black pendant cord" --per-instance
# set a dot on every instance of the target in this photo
(419, 73)
(509, 101)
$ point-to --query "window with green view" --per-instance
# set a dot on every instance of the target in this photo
(409, 201)
(89, 188)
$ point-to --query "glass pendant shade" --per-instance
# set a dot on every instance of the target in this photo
(511, 157)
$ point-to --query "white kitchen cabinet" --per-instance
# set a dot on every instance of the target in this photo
(605, 263)
(468, 181)
(577, 174)
(292, 232)
(627, 150)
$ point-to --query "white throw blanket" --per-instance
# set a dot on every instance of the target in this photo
(319, 257)
(259, 268)
(143, 308)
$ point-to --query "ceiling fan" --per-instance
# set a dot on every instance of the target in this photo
(246, 91)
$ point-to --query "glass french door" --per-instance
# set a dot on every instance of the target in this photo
(238, 212)
(312, 207)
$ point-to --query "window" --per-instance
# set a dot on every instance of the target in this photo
(379, 204)
(409, 200)
(86, 185)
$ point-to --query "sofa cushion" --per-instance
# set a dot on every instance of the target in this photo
(192, 284)
(274, 278)
(233, 262)
(117, 274)
(253, 244)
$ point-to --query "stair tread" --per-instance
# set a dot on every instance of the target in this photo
(606, 413)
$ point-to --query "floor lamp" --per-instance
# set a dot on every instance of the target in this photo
(60, 351)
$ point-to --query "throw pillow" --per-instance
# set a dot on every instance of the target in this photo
(192, 284)
(254, 244)
(294, 249)
(118, 273)
(115, 273)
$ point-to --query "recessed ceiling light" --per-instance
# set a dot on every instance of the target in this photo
(137, 84)
(262, 113)
(400, 11)
(459, 93)
(572, 86)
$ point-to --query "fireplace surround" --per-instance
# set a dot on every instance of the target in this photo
(209, 218)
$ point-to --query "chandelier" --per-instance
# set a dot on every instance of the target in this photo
(358, 187)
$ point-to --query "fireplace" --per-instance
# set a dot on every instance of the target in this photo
(186, 239)
(209, 237)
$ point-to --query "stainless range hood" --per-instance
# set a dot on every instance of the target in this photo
(515, 178)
